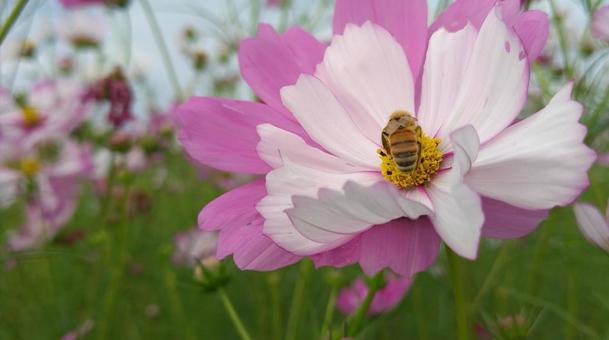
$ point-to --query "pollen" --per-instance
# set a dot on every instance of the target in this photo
(31, 117)
(29, 166)
(427, 165)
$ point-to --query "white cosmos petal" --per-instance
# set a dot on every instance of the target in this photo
(9, 186)
(276, 143)
(494, 84)
(327, 122)
(539, 162)
(447, 58)
(592, 224)
(368, 72)
(458, 216)
(350, 210)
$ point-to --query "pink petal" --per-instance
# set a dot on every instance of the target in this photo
(240, 225)
(328, 123)
(600, 23)
(271, 61)
(367, 71)
(592, 224)
(494, 85)
(539, 162)
(405, 246)
(385, 299)
(502, 220)
(405, 20)
(458, 214)
(221, 133)
(531, 26)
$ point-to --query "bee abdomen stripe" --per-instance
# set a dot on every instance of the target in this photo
(410, 141)
(405, 154)
(406, 163)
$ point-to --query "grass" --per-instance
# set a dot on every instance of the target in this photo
(553, 278)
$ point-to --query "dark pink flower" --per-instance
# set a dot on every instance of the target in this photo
(327, 195)
(385, 299)
(116, 91)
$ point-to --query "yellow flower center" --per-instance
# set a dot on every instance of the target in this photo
(428, 163)
(31, 117)
(29, 166)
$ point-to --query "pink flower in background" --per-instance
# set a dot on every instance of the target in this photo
(47, 173)
(600, 23)
(593, 225)
(331, 191)
(385, 299)
(194, 245)
(50, 108)
(115, 90)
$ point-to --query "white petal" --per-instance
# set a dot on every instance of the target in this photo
(9, 186)
(458, 214)
(276, 143)
(447, 58)
(539, 162)
(592, 224)
(368, 72)
(350, 210)
(327, 122)
(494, 84)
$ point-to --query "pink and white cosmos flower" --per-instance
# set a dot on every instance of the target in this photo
(327, 194)
(593, 224)
(385, 299)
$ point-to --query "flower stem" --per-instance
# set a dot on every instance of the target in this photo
(456, 277)
(325, 328)
(12, 18)
(233, 315)
(158, 36)
(298, 299)
(489, 281)
(358, 318)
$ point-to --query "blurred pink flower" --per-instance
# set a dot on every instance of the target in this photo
(79, 332)
(194, 245)
(593, 225)
(600, 23)
(114, 89)
(50, 108)
(327, 195)
(385, 299)
(47, 173)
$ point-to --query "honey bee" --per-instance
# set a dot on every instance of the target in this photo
(401, 140)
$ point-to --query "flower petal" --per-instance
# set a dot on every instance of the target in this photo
(240, 225)
(327, 122)
(368, 72)
(448, 55)
(502, 220)
(405, 20)
(271, 61)
(458, 214)
(221, 133)
(539, 162)
(592, 224)
(494, 85)
(530, 26)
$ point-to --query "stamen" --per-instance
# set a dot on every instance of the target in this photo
(29, 166)
(31, 117)
(428, 164)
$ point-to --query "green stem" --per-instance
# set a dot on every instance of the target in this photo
(358, 318)
(455, 268)
(158, 36)
(12, 18)
(298, 299)
(273, 280)
(233, 315)
(562, 39)
(420, 313)
(325, 328)
(500, 260)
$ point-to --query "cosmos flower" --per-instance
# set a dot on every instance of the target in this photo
(115, 90)
(600, 23)
(82, 30)
(194, 245)
(384, 300)
(50, 108)
(46, 173)
(593, 225)
(334, 192)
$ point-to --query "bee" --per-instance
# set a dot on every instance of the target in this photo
(401, 139)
